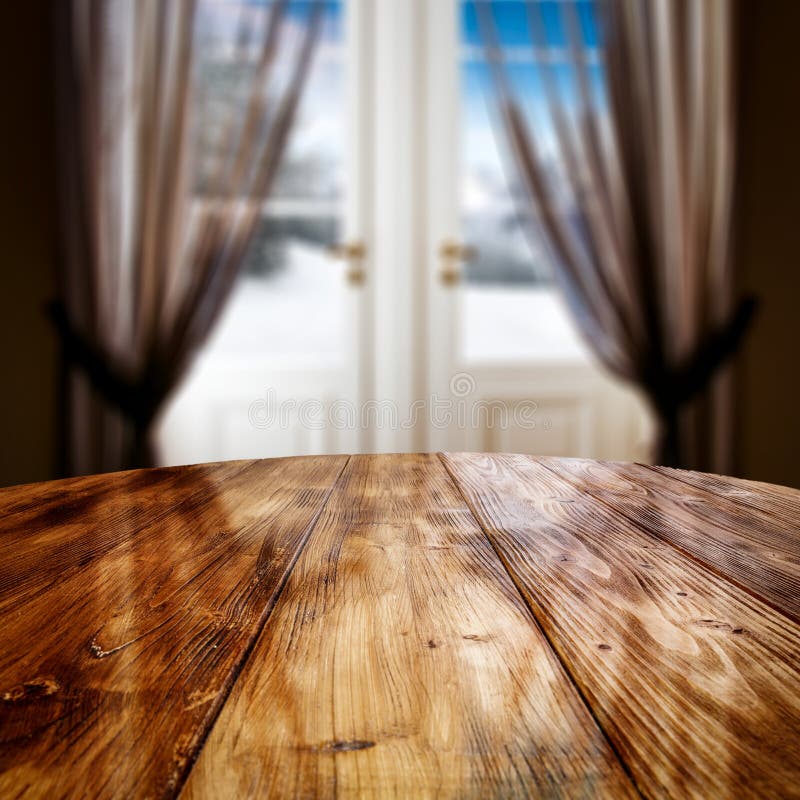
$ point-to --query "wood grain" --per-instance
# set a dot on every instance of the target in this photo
(400, 661)
(757, 548)
(781, 502)
(301, 628)
(696, 683)
(129, 604)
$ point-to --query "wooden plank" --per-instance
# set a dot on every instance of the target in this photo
(757, 549)
(696, 682)
(51, 530)
(401, 661)
(129, 604)
(782, 502)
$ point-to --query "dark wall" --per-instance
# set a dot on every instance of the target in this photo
(27, 210)
(769, 242)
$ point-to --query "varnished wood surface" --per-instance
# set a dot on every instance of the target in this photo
(129, 604)
(693, 679)
(756, 547)
(460, 625)
(437, 681)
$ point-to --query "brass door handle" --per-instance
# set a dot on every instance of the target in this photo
(353, 253)
(452, 255)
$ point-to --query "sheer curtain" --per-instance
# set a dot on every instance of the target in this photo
(154, 234)
(634, 195)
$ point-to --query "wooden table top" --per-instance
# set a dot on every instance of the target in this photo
(413, 626)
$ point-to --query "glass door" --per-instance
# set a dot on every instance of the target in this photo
(502, 348)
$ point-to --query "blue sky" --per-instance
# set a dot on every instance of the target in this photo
(513, 27)
(483, 176)
(514, 33)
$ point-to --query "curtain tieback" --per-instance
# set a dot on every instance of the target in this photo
(137, 399)
(673, 388)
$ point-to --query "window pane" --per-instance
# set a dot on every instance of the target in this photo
(290, 299)
(490, 216)
(231, 34)
(279, 240)
(509, 308)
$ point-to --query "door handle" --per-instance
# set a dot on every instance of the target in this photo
(353, 253)
(453, 255)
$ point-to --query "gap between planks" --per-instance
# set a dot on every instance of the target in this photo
(536, 623)
(248, 651)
